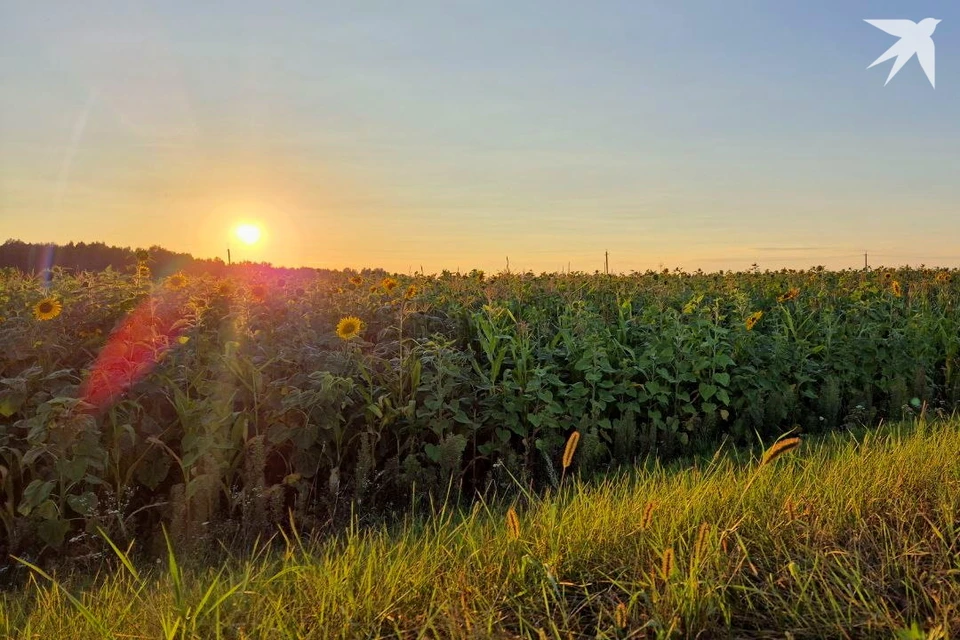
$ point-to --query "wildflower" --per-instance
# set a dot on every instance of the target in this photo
(389, 284)
(177, 281)
(47, 309)
(349, 327)
(753, 320)
(789, 295)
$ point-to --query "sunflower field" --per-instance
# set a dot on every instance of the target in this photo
(216, 409)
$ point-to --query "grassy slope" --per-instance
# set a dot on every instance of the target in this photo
(843, 539)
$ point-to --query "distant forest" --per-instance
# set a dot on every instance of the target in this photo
(96, 256)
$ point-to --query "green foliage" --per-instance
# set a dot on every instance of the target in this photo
(233, 402)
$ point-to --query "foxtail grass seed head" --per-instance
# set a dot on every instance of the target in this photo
(700, 547)
(666, 565)
(779, 449)
(570, 449)
(513, 524)
(620, 616)
(791, 510)
(647, 517)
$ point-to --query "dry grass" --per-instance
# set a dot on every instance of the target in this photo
(843, 539)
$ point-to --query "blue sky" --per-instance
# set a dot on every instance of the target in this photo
(454, 134)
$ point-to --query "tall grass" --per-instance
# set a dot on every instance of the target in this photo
(846, 538)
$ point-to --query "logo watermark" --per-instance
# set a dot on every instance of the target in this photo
(915, 38)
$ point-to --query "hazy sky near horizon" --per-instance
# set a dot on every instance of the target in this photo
(449, 134)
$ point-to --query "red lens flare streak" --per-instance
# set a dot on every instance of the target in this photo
(133, 351)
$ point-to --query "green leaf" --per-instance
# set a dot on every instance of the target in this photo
(53, 531)
(707, 391)
(84, 504)
(153, 470)
(10, 403)
(35, 493)
(722, 378)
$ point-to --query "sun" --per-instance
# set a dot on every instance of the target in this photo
(248, 233)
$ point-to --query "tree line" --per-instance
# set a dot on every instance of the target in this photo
(76, 257)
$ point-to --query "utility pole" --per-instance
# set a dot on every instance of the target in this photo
(228, 254)
(606, 262)
(865, 260)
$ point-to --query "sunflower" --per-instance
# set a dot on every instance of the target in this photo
(177, 281)
(410, 292)
(224, 289)
(47, 309)
(753, 319)
(356, 281)
(789, 295)
(389, 284)
(258, 291)
(943, 277)
(339, 290)
(895, 288)
(349, 327)
(373, 288)
(888, 275)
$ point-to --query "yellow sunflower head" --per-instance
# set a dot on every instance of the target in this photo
(177, 281)
(356, 281)
(389, 284)
(753, 319)
(410, 292)
(895, 288)
(349, 327)
(789, 295)
(47, 309)
(943, 277)
(888, 275)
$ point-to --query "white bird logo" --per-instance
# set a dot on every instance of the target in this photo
(915, 38)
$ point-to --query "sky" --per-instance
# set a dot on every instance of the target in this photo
(436, 134)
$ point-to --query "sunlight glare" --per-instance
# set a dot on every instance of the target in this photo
(248, 233)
